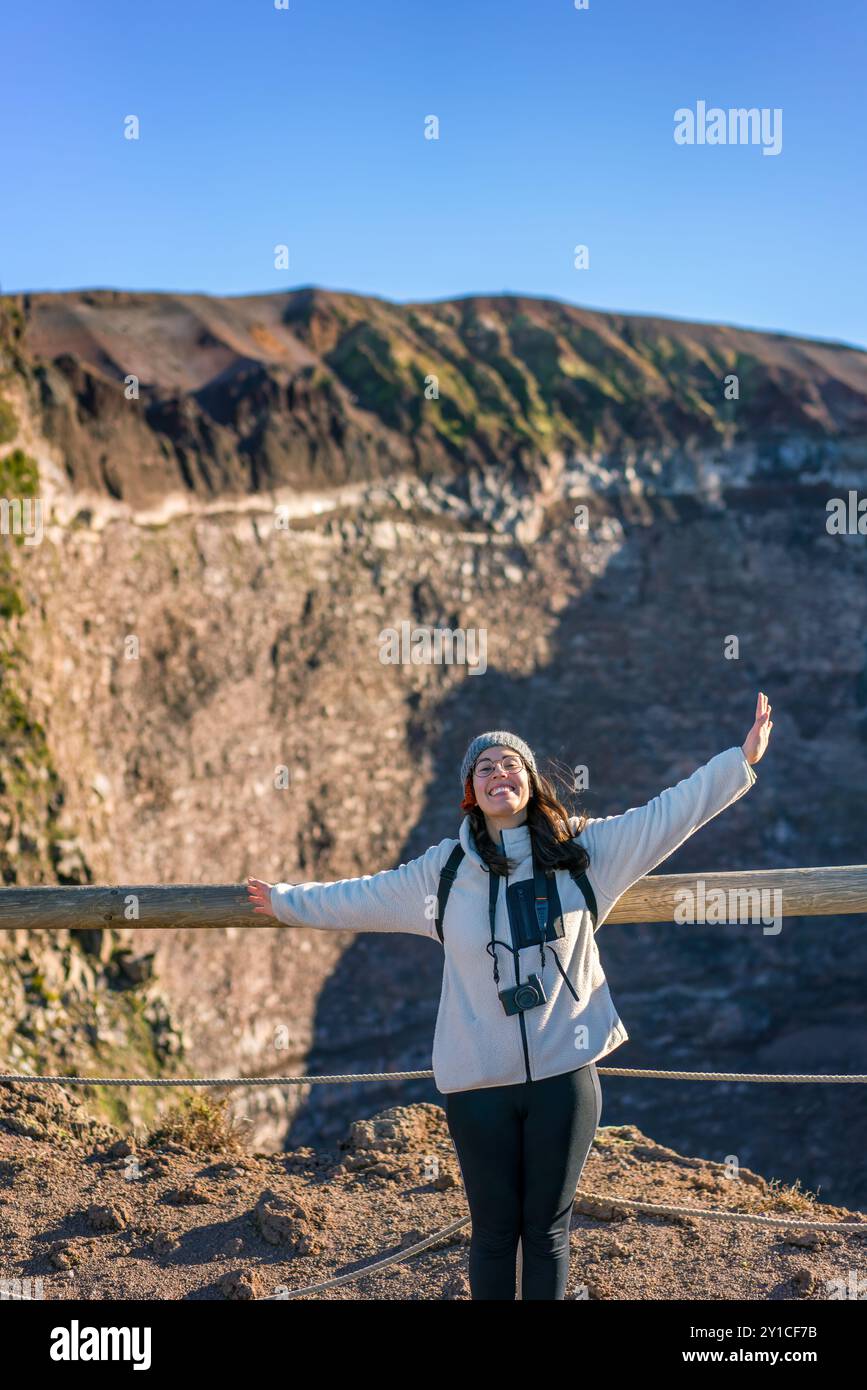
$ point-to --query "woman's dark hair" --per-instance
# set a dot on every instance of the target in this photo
(554, 842)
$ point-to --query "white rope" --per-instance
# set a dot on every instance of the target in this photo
(214, 1080)
(756, 1220)
(835, 1078)
(369, 1269)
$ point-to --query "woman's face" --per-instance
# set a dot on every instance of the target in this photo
(500, 782)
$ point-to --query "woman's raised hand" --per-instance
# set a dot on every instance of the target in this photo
(756, 741)
(259, 893)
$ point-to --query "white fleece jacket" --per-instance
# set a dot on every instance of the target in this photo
(476, 1043)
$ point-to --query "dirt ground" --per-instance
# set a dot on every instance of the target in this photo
(88, 1213)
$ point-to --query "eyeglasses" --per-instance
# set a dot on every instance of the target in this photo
(510, 763)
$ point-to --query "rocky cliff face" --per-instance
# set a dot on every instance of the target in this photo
(239, 495)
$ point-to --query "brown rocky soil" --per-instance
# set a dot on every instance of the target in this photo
(96, 1215)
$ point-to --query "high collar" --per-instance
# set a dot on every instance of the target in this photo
(515, 840)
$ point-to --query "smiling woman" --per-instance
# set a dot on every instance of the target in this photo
(515, 1060)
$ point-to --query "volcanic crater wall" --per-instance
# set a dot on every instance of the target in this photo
(219, 557)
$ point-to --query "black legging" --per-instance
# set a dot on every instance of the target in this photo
(521, 1150)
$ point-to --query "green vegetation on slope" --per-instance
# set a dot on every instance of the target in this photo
(30, 788)
(8, 422)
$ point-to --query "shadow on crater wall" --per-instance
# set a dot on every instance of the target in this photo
(638, 689)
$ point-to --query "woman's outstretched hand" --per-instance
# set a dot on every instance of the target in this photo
(259, 893)
(756, 741)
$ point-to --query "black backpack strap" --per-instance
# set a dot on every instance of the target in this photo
(448, 873)
(583, 883)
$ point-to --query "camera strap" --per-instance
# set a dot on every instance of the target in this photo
(542, 895)
(449, 872)
(493, 894)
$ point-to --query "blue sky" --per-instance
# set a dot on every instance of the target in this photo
(305, 126)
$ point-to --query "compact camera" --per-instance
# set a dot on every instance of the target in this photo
(525, 996)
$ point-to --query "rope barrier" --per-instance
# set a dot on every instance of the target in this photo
(369, 1269)
(835, 1078)
(214, 1080)
(651, 1208)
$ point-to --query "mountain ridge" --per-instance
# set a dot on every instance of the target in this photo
(314, 387)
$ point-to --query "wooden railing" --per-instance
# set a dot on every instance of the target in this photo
(817, 892)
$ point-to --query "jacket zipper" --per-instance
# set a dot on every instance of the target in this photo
(524, 1041)
(523, 1022)
(517, 959)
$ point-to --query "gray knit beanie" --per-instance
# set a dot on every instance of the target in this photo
(491, 740)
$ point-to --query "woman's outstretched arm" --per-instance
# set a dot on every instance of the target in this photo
(624, 848)
(402, 899)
